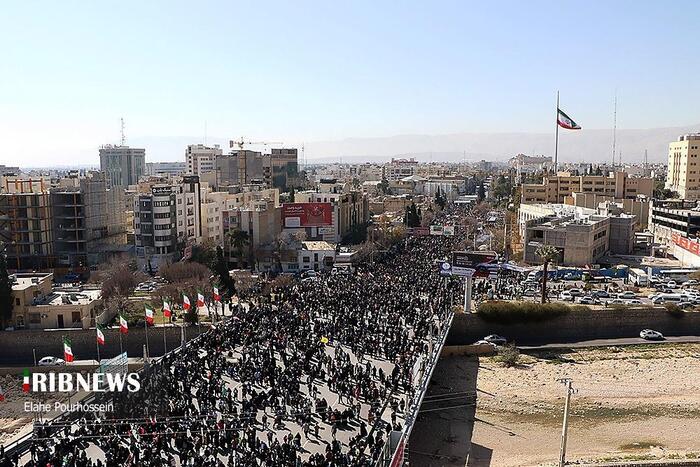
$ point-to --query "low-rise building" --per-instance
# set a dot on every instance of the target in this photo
(316, 255)
(554, 189)
(676, 226)
(38, 306)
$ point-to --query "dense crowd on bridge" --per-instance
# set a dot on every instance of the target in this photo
(231, 396)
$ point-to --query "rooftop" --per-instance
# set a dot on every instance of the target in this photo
(317, 246)
(23, 281)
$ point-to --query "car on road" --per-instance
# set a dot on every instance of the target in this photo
(663, 298)
(634, 301)
(672, 284)
(600, 294)
(588, 300)
(576, 292)
(495, 339)
(690, 283)
(51, 361)
(627, 295)
(566, 296)
(616, 301)
(483, 342)
(529, 293)
(651, 335)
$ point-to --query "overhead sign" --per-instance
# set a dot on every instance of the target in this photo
(307, 214)
(418, 231)
(448, 230)
(478, 262)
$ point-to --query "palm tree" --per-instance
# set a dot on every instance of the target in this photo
(238, 240)
(547, 253)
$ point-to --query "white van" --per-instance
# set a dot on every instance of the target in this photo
(668, 298)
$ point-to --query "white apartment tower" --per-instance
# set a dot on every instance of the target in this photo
(122, 165)
(683, 169)
(201, 159)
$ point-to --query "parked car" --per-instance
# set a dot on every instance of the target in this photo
(690, 283)
(483, 342)
(529, 293)
(634, 301)
(495, 339)
(672, 284)
(566, 295)
(576, 292)
(588, 300)
(627, 295)
(601, 294)
(651, 335)
(616, 301)
(51, 361)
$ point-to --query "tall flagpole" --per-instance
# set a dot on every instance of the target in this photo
(145, 325)
(556, 138)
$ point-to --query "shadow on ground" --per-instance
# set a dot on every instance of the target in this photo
(442, 433)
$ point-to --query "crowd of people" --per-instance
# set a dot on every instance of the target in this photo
(317, 373)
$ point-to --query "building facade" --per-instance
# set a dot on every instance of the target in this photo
(122, 165)
(683, 170)
(201, 159)
(555, 189)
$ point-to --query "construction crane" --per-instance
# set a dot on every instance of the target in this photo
(240, 143)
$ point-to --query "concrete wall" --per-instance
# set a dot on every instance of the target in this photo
(16, 347)
(576, 326)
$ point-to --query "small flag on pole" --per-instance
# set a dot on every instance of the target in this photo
(217, 297)
(67, 350)
(123, 325)
(2, 395)
(200, 300)
(100, 335)
(565, 122)
(166, 310)
(186, 303)
(149, 315)
(25, 381)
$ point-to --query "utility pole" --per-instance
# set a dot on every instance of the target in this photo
(565, 425)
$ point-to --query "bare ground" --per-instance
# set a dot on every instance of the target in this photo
(632, 403)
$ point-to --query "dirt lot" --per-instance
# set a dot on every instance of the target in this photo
(632, 403)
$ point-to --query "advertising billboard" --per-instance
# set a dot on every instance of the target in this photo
(435, 230)
(448, 230)
(480, 261)
(307, 214)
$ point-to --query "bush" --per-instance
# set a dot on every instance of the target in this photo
(508, 355)
(523, 312)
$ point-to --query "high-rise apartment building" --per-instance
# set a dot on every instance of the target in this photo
(683, 169)
(201, 159)
(122, 165)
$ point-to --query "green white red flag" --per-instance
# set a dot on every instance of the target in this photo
(123, 324)
(68, 350)
(167, 312)
(200, 300)
(217, 297)
(149, 315)
(565, 121)
(186, 303)
(100, 335)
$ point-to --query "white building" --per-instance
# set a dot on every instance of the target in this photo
(122, 165)
(317, 256)
(400, 168)
(201, 159)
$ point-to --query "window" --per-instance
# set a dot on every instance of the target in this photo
(306, 259)
(75, 316)
(17, 301)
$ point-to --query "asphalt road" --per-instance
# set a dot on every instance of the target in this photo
(613, 342)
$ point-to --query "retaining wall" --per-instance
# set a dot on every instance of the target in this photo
(576, 326)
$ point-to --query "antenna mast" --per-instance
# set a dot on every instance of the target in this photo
(123, 140)
(614, 129)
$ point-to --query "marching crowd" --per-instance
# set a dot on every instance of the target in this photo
(297, 366)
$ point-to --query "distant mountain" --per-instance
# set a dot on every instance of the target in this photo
(584, 145)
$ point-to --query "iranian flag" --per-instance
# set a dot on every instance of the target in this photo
(149, 314)
(166, 310)
(200, 300)
(2, 395)
(565, 122)
(100, 335)
(67, 350)
(217, 297)
(186, 303)
(25, 381)
(123, 325)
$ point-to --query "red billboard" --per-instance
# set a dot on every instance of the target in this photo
(307, 214)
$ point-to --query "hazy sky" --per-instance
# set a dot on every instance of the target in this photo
(304, 71)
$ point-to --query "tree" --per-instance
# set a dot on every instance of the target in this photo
(383, 186)
(661, 192)
(239, 239)
(227, 284)
(480, 193)
(6, 301)
(440, 198)
(204, 253)
(411, 217)
(183, 271)
(547, 253)
(119, 277)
